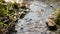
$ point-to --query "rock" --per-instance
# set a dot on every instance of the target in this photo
(51, 25)
(21, 5)
(52, 16)
(50, 22)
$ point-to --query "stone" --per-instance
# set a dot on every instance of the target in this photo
(50, 22)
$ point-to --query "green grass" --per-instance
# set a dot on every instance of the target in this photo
(6, 12)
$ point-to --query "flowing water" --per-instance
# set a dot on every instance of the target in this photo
(34, 22)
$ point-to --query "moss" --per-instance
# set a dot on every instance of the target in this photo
(57, 14)
(1, 23)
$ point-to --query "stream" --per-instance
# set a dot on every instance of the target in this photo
(34, 22)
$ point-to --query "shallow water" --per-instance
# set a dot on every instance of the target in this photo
(34, 21)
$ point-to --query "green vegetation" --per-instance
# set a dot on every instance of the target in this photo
(57, 14)
(7, 12)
